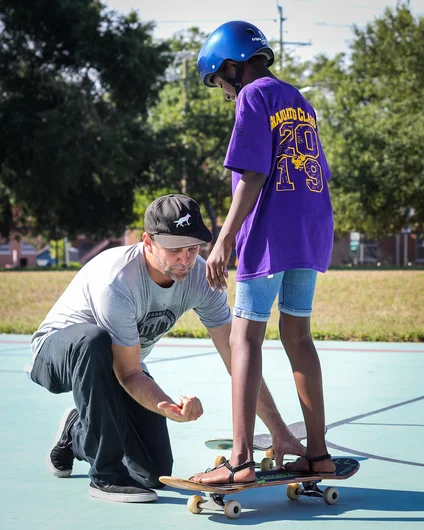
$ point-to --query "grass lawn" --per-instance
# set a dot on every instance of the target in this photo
(348, 305)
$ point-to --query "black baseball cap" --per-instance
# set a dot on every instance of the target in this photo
(176, 222)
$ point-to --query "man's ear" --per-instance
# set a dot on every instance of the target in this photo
(147, 241)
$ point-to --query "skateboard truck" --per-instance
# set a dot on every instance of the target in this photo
(311, 489)
(215, 503)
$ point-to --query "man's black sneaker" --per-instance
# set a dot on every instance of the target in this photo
(60, 458)
(128, 490)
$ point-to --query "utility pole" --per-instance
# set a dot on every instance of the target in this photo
(185, 77)
(186, 87)
(282, 43)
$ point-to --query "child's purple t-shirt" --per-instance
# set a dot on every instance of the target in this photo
(291, 224)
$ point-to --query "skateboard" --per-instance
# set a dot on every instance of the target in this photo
(261, 442)
(298, 484)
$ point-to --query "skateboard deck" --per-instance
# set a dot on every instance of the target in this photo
(298, 484)
(345, 468)
(261, 442)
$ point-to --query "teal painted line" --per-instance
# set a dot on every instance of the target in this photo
(390, 424)
(362, 350)
(205, 354)
(14, 341)
(185, 345)
(370, 455)
(373, 520)
(378, 411)
(14, 354)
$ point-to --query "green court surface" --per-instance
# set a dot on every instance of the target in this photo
(374, 396)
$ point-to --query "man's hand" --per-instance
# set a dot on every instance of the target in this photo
(216, 266)
(284, 443)
(189, 409)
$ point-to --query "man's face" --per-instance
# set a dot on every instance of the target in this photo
(174, 263)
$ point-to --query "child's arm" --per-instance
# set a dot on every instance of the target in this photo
(245, 197)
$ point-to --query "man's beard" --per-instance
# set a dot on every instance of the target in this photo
(175, 273)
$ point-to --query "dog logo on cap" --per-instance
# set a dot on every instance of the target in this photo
(183, 221)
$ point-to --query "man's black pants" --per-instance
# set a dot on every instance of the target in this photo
(114, 433)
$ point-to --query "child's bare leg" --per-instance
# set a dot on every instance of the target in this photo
(297, 341)
(246, 368)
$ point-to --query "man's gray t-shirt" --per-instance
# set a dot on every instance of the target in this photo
(115, 291)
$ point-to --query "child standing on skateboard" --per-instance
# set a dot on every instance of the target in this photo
(281, 218)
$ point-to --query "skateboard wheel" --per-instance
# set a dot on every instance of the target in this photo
(232, 509)
(218, 461)
(267, 464)
(331, 495)
(193, 504)
(270, 453)
(292, 491)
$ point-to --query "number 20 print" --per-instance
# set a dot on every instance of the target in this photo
(299, 150)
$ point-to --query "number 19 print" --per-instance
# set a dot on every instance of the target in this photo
(299, 151)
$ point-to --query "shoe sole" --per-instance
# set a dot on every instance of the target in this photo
(57, 472)
(122, 497)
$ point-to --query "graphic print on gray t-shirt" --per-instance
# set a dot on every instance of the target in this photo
(154, 326)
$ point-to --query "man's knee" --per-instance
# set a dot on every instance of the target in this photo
(95, 337)
(95, 345)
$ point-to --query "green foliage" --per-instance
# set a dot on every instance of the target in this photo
(193, 125)
(372, 125)
(292, 70)
(75, 85)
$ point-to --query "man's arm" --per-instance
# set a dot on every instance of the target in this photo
(266, 408)
(126, 365)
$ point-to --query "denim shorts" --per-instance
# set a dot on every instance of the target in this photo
(295, 288)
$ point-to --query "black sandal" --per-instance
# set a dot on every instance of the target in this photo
(311, 461)
(233, 470)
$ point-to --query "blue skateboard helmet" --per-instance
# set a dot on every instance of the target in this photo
(235, 40)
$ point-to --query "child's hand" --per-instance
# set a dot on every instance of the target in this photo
(216, 267)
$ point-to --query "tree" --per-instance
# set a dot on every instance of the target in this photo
(193, 125)
(372, 125)
(76, 84)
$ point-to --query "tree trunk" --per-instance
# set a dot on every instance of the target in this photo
(212, 216)
(57, 254)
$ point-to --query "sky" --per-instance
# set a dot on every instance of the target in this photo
(326, 24)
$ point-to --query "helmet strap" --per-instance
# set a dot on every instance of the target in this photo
(235, 83)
